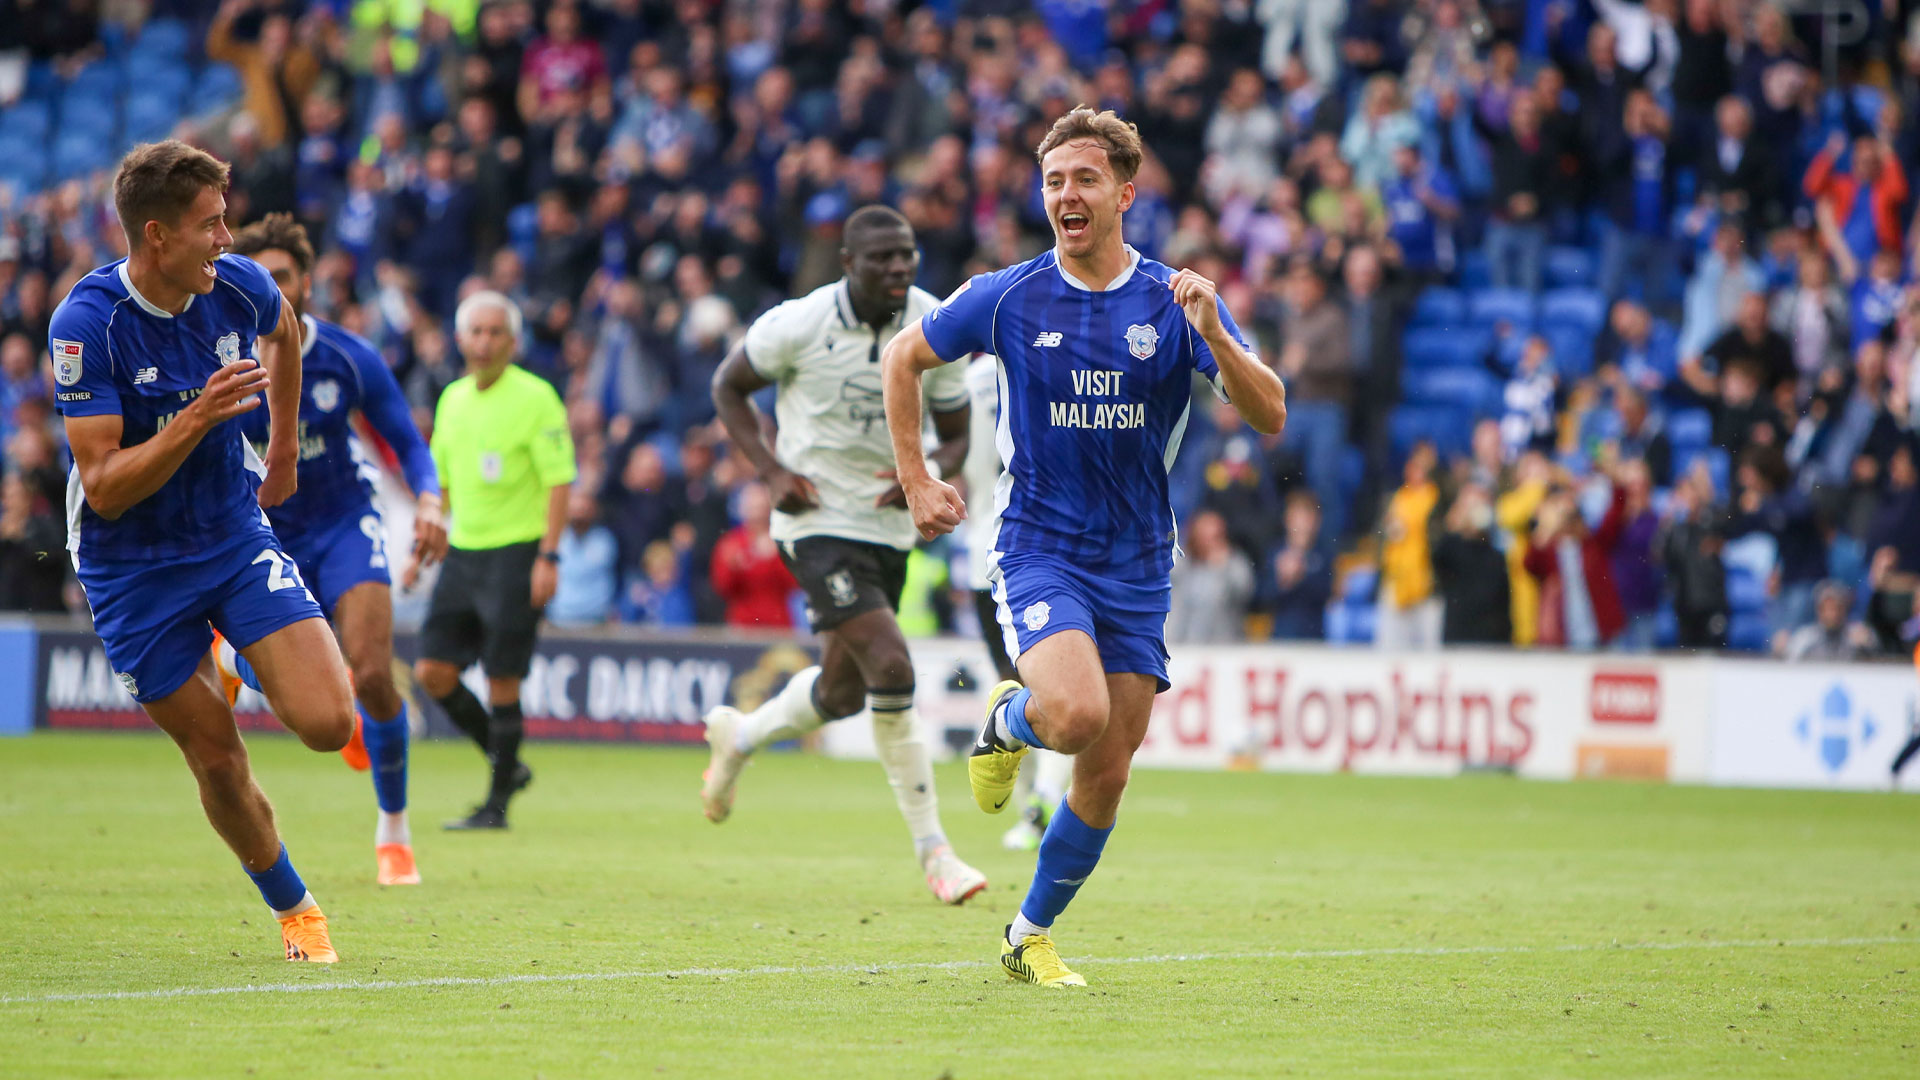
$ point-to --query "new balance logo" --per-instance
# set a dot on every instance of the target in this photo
(1048, 339)
(1076, 882)
(146, 375)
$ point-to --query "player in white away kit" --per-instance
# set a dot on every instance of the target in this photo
(1038, 789)
(841, 520)
(1098, 348)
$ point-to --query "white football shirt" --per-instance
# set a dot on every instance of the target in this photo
(825, 363)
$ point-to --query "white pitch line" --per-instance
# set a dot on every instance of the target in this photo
(944, 965)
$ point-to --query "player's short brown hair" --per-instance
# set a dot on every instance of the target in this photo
(1120, 138)
(280, 233)
(159, 181)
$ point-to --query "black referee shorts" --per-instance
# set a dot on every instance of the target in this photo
(482, 609)
(844, 578)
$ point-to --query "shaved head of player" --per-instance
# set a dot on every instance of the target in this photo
(881, 260)
(1098, 346)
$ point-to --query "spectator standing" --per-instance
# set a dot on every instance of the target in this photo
(1636, 568)
(1689, 544)
(563, 61)
(1812, 314)
(1302, 583)
(1720, 284)
(1861, 206)
(1408, 617)
(275, 70)
(1472, 574)
(1638, 193)
(1317, 362)
(1421, 203)
(1513, 512)
(1211, 586)
(1769, 503)
(747, 572)
(1735, 174)
(1516, 236)
(33, 558)
(1579, 601)
(589, 567)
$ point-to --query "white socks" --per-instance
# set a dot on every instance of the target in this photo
(392, 829)
(1052, 775)
(1022, 928)
(786, 715)
(896, 738)
(306, 902)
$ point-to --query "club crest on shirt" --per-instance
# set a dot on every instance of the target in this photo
(840, 587)
(228, 349)
(66, 361)
(1037, 615)
(1142, 340)
(132, 687)
(491, 467)
(326, 395)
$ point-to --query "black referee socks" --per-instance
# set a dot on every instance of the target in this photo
(505, 731)
(467, 714)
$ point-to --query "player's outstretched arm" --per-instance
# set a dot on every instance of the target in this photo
(936, 507)
(734, 385)
(1254, 389)
(116, 477)
(280, 357)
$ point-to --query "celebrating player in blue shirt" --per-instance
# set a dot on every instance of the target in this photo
(332, 530)
(152, 357)
(1097, 348)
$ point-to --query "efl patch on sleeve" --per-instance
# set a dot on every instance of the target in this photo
(66, 361)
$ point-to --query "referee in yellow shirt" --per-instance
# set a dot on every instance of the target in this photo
(500, 441)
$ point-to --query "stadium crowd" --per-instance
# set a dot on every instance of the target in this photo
(1598, 318)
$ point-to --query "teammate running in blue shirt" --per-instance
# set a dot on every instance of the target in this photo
(333, 531)
(152, 357)
(1097, 347)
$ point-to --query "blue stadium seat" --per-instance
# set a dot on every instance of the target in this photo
(219, 85)
(101, 77)
(1467, 388)
(1436, 347)
(1690, 428)
(1747, 632)
(1572, 350)
(1719, 465)
(1358, 586)
(76, 155)
(85, 112)
(161, 76)
(1440, 307)
(23, 165)
(1512, 306)
(1585, 309)
(162, 37)
(1570, 267)
(1475, 273)
(43, 84)
(150, 119)
(1746, 592)
(1448, 427)
(28, 120)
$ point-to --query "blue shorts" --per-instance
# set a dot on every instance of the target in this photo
(336, 557)
(1041, 595)
(153, 617)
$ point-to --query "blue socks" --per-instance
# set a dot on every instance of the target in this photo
(1015, 714)
(1068, 853)
(245, 671)
(280, 885)
(387, 748)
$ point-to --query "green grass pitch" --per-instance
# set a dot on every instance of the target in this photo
(1241, 925)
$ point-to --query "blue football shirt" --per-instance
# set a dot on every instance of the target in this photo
(341, 373)
(1095, 388)
(115, 353)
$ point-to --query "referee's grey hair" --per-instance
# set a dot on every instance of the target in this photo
(464, 314)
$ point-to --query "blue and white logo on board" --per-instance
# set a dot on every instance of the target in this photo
(1836, 728)
(1142, 340)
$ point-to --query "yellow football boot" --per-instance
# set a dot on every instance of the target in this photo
(991, 768)
(1036, 961)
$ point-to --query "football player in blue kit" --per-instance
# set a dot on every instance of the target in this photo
(153, 360)
(1098, 348)
(335, 534)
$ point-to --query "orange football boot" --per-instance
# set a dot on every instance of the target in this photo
(396, 864)
(305, 935)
